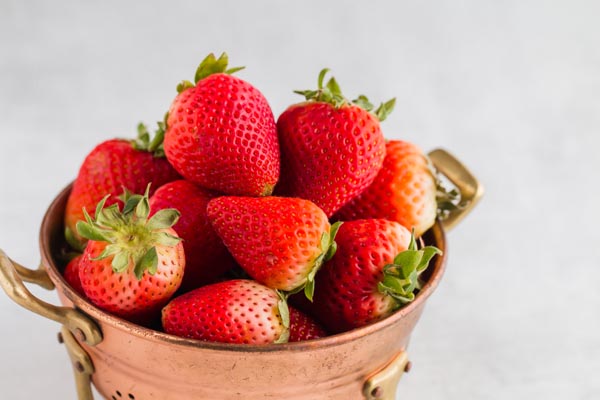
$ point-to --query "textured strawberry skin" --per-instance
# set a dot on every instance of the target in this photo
(346, 294)
(206, 255)
(303, 327)
(122, 294)
(221, 134)
(236, 311)
(274, 239)
(329, 155)
(71, 275)
(404, 191)
(110, 167)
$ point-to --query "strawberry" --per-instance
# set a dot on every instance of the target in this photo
(235, 311)
(221, 133)
(303, 327)
(331, 148)
(280, 242)
(131, 265)
(110, 167)
(206, 255)
(404, 190)
(71, 275)
(374, 272)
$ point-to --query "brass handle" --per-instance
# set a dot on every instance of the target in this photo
(11, 281)
(382, 385)
(83, 368)
(469, 187)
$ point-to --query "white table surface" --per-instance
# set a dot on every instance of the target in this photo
(511, 87)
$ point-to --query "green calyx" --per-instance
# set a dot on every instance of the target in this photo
(332, 93)
(210, 65)
(152, 145)
(447, 199)
(131, 235)
(284, 313)
(401, 278)
(328, 249)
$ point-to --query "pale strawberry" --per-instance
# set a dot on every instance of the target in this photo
(404, 190)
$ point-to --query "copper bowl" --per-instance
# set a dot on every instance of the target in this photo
(127, 361)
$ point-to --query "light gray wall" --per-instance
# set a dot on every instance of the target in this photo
(511, 87)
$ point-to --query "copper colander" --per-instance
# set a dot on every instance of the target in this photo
(127, 361)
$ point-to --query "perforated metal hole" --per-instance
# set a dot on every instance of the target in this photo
(118, 395)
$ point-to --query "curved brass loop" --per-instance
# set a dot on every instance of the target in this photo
(82, 326)
(83, 368)
(38, 276)
(382, 385)
(469, 187)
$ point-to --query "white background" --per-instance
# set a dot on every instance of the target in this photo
(511, 87)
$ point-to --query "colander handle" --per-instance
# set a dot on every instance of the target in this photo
(467, 184)
(383, 383)
(12, 276)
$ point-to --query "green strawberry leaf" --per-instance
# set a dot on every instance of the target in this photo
(284, 313)
(321, 77)
(309, 288)
(166, 239)
(334, 88)
(363, 102)
(91, 232)
(184, 85)
(131, 203)
(100, 206)
(401, 279)
(335, 227)
(385, 109)
(163, 219)
(120, 261)
(233, 70)
(108, 251)
(213, 65)
(142, 210)
(149, 262)
(110, 217)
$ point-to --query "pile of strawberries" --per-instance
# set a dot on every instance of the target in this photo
(208, 229)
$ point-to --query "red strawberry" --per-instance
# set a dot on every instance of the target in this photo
(374, 272)
(221, 133)
(110, 167)
(281, 242)
(206, 255)
(303, 327)
(404, 191)
(236, 311)
(71, 275)
(131, 265)
(331, 148)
